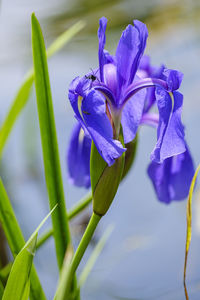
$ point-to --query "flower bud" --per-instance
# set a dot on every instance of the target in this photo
(104, 180)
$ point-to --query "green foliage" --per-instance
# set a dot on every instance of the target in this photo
(18, 284)
(64, 290)
(16, 240)
(25, 89)
(4, 273)
(1, 289)
(74, 211)
(49, 143)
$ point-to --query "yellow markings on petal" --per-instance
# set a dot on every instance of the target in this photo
(81, 136)
(80, 99)
(172, 98)
(189, 226)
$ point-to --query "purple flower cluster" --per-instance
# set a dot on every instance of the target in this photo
(121, 92)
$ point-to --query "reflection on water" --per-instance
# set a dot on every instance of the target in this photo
(145, 255)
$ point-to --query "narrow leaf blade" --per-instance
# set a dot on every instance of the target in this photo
(24, 91)
(49, 143)
(189, 225)
(15, 239)
(19, 278)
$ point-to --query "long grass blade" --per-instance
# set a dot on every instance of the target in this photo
(189, 226)
(18, 284)
(23, 93)
(49, 143)
(21, 269)
(4, 273)
(16, 240)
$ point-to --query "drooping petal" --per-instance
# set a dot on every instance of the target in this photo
(99, 127)
(78, 157)
(170, 132)
(78, 89)
(172, 178)
(129, 51)
(102, 41)
(173, 79)
(131, 115)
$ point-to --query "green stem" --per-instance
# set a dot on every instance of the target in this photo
(74, 211)
(94, 220)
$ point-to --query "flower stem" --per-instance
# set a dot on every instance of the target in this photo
(94, 220)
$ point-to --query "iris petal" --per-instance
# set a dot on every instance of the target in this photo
(173, 79)
(129, 51)
(78, 157)
(99, 127)
(170, 132)
(102, 41)
(131, 115)
(172, 178)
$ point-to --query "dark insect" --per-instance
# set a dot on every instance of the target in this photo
(91, 77)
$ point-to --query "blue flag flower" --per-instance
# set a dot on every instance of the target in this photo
(121, 92)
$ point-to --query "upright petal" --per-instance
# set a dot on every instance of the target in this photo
(99, 127)
(131, 115)
(172, 178)
(170, 132)
(78, 157)
(129, 51)
(102, 41)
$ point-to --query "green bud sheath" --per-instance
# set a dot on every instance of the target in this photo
(104, 180)
(130, 156)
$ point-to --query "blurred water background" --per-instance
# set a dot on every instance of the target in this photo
(145, 255)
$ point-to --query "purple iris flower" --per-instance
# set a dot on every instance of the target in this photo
(78, 157)
(122, 91)
(115, 94)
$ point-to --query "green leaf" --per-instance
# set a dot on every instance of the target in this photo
(189, 226)
(4, 273)
(94, 256)
(18, 284)
(21, 269)
(105, 180)
(1, 290)
(16, 240)
(25, 89)
(49, 143)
